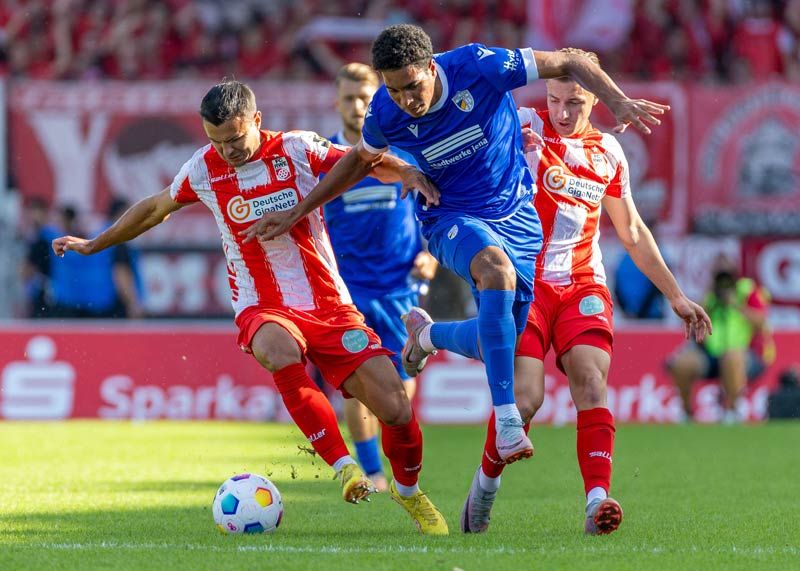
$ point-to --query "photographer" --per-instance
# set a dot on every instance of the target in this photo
(740, 348)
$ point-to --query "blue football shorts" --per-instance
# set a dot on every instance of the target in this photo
(383, 315)
(455, 239)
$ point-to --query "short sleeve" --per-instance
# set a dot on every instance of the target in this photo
(620, 185)
(371, 134)
(322, 154)
(181, 189)
(505, 69)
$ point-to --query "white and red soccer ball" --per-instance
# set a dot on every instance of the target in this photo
(247, 503)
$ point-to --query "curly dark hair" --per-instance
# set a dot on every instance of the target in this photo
(226, 101)
(399, 46)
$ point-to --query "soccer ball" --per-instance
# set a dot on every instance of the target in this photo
(247, 503)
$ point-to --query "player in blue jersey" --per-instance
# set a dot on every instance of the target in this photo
(453, 112)
(379, 251)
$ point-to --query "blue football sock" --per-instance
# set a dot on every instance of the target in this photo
(458, 337)
(369, 456)
(498, 339)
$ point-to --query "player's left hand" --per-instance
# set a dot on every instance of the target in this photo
(425, 266)
(270, 226)
(696, 322)
(636, 112)
(414, 179)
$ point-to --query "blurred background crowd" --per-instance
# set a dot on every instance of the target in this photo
(696, 40)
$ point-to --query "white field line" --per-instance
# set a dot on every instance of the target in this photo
(278, 548)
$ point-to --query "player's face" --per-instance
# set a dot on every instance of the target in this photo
(237, 139)
(352, 100)
(412, 88)
(569, 106)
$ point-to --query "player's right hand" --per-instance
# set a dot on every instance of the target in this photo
(64, 243)
(270, 226)
(414, 179)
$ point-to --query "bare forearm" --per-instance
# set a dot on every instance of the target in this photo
(138, 219)
(592, 78)
(390, 169)
(348, 171)
(645, 254)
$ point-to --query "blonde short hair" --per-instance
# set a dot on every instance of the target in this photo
(357, 72)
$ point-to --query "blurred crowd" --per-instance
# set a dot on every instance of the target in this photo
(697, 40)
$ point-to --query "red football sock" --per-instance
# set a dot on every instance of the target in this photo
(491, 463)
(595, 447)
(402, 445)
(311, 411)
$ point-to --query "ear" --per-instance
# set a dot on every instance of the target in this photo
(257, 119)
(432, 67)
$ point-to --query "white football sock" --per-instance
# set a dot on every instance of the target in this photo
(406, 491)
(506, 411)
(487, 483)
(596, 493)
(342, 462)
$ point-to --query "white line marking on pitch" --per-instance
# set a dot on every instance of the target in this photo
(277, 548)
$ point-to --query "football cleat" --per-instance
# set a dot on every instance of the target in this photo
(425, 515)
(512, 443)
(477, 509)
(355, 484)
(413, 355)
(603, 516)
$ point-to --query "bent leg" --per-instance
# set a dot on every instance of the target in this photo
(276, 350)
(732, 376)
(685, 367)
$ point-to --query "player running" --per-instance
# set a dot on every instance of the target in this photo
(453, 112)
(379, 252)
(578, 169)
(289, 299)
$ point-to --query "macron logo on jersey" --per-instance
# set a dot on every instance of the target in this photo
(483, 52)
(414, 129)
(456, 147)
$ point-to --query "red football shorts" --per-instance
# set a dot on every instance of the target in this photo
(566, 316)
(337, 341)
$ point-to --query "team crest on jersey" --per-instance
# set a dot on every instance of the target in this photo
(599, 164)
(453, 232)
(355, 340)
(464, 101)
(591, 305)
(282, 170)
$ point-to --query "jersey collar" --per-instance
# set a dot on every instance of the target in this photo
(445, 89)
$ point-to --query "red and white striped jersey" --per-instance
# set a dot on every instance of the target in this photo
(296, 270)
(573, 175)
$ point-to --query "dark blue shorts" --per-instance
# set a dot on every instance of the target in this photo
(382, 315)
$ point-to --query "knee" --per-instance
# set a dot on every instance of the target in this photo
(528, 406)
(274, 359)
(397, 412)
(591, 390)
(494, 270)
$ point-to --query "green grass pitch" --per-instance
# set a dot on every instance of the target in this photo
(107, 495)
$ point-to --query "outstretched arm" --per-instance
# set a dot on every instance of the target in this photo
(642, 247)
(138, 219)
(592, 78)
(351, 168)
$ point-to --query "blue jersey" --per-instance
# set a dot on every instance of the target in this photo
(374, 235)
(470, 142)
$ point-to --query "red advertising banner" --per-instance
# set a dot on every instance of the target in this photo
(196, 371)
(745, 164)
(82, 143)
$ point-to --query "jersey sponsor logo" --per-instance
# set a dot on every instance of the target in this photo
(282, 170)
(453, 232)
(414, 129)
(591, 305)
(244, 210)
(557, 181)
(464, 101)
(456, 147)
(355, 340)
(222, 177)
(483, 52)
